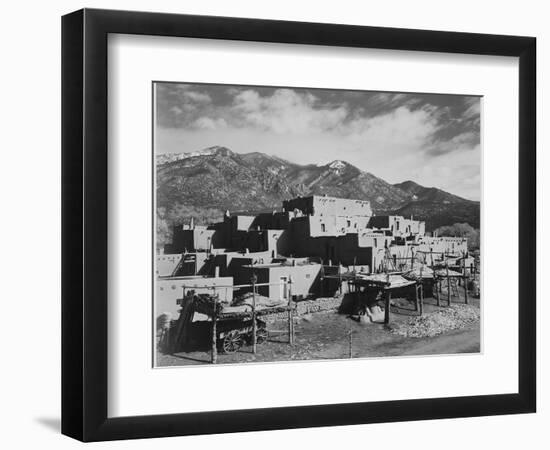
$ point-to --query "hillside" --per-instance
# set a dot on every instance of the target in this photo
(205, 183)
(437, 207)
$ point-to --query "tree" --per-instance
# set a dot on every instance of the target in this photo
(461, 230)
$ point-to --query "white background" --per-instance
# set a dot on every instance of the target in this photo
(135, 389)
(31, 238)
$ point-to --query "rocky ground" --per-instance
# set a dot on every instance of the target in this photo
(326, 335)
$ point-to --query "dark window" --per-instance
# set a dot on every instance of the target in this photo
(323, 227)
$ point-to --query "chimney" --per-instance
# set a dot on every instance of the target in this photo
(217, 271)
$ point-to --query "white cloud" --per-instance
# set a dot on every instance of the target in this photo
(461, 142)
(197, 97)
(401, 127)
(474, 109)
(391, 135)
(286, 111)
(206, 123)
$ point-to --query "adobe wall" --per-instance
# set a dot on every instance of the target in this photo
(166, 264)
(327, 225)
(328, 206)
(340, 206)
(443, 244)
(168, 291)
(198, 238)
(305, 279)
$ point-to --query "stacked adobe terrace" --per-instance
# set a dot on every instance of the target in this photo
(296, 242)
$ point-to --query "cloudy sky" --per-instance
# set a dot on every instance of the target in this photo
(428, 138)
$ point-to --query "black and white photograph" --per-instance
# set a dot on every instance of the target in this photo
(275, 225)
(296, 224)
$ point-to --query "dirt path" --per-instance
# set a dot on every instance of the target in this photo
(458, 341)
(327, 336)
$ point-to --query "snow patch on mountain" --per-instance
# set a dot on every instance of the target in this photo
(166, 158)
(337, 165)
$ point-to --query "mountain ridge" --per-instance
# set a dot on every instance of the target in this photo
(217, 179)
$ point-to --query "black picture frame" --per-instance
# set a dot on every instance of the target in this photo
(84, 224)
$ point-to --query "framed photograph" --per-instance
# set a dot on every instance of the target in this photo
(273, 225)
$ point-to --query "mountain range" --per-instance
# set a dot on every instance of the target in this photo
(205, 183)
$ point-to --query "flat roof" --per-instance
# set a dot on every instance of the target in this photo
(281, 264)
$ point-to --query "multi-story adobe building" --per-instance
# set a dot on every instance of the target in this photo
(326, 230)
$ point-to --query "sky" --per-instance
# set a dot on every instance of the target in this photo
(432, 139)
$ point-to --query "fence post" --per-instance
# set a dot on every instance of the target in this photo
(350, 332)
(254, 331)
(448, 284)
(214, 333)
(421, 301)
(290, 320)
(437, 286)
(340, 278)
(322, 280)
(465, 289)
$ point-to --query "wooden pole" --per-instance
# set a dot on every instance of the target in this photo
(412, 258)
(421, 301)
(350, 332)
(387, 309)
(448, 283)
(465, 289)
(290, 321)
(254, 328)
(416, 305)
(322, 280)
(214, 333)
(438, 289)
(463, 266)
(340, 277)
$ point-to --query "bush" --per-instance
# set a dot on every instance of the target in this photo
(461, 230)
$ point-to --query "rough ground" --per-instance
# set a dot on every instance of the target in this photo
(327, 336)
(435, 323)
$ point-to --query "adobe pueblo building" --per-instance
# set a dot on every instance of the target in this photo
(300, 243)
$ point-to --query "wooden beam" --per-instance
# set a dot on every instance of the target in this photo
(438, 290)
(421, 299)
(448, 284)
(214, 334)
(254, 328)
(290, 319)
(465, 289)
